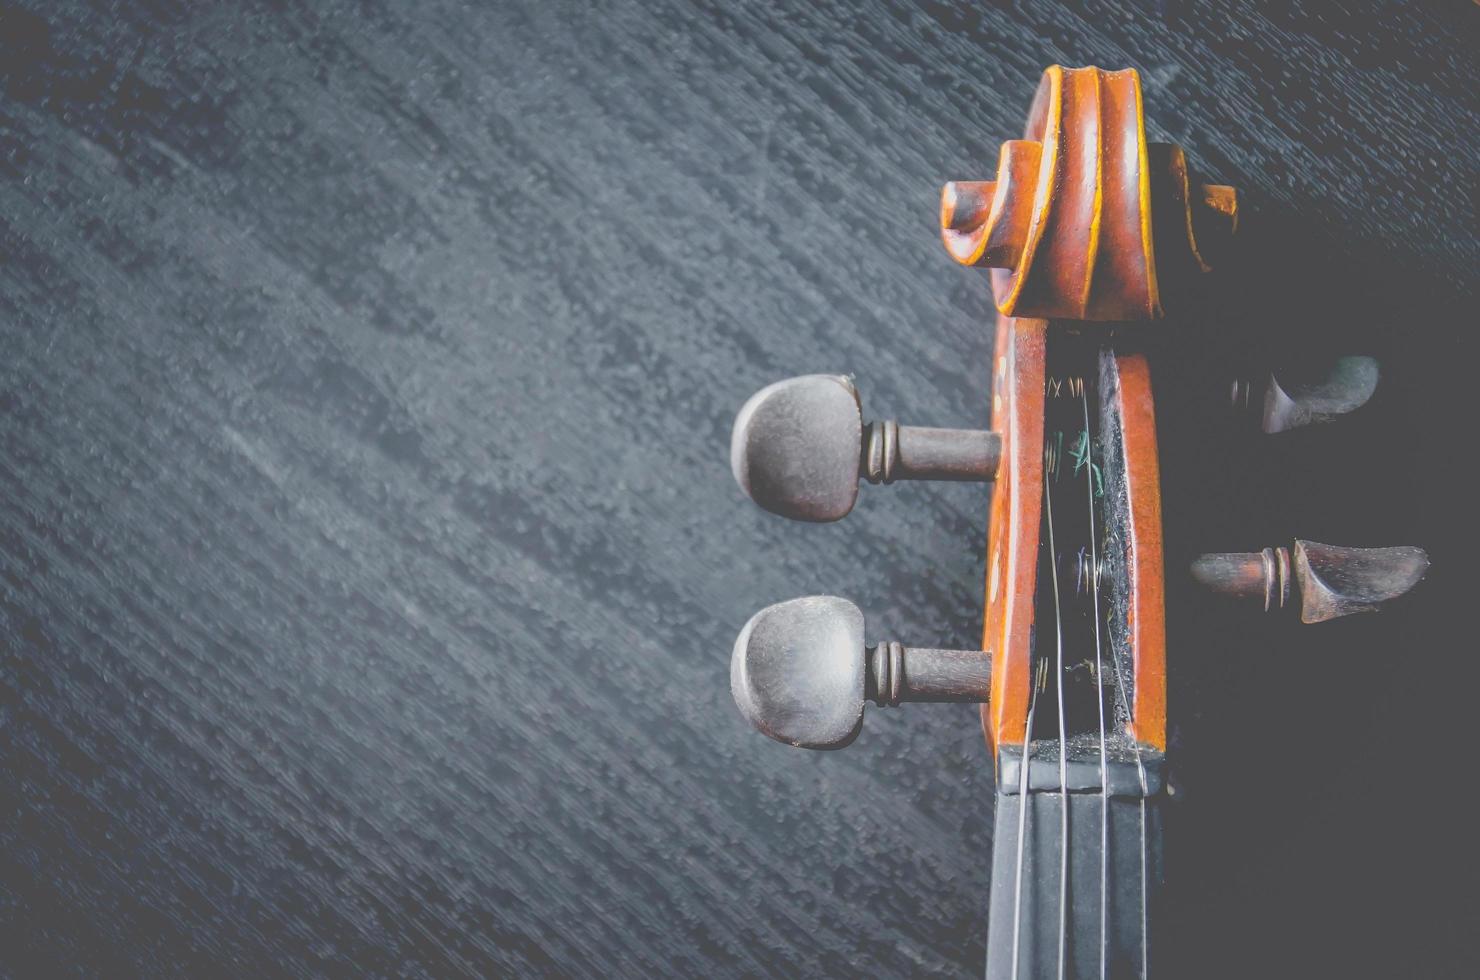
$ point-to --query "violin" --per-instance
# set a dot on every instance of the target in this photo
(1094, 238)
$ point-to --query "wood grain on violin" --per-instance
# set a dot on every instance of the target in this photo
(1012, 529)
(1145, 571)
(1070, 213)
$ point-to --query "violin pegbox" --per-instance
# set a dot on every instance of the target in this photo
(1080, 220)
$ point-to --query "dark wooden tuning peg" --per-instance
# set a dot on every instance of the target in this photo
(801, 672)
(1331, 581)
(1285, 400)
(800, 447)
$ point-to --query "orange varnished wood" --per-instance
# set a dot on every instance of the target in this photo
(1012, 538)
(1070, 213)
(1096, 201)
(1144, 562)
(1068, 229)
(986, 222)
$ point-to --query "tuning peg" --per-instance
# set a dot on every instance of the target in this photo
(1288, 400)
(801, 672)
(1332, 581)
(800, 446)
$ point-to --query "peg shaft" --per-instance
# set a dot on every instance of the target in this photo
(896, 673)
(908, 452)
(950, 454)
(1247, 575)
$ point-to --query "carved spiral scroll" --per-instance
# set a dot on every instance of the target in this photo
(1083, 213)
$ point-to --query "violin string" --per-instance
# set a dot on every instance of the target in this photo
(1125, 707)
(1145, 963)
(1094, 577)
(1017, 900)
(1063, 734)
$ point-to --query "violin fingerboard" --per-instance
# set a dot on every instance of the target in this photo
(1096, 920)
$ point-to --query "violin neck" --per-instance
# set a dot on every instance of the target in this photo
(1076, 873)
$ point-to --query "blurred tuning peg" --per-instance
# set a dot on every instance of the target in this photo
(801, 672)
(1289, 399)
(800, 446)
(1332, 581)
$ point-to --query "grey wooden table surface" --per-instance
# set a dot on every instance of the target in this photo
(369, 558)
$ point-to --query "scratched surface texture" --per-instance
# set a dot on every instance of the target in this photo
(369, 559)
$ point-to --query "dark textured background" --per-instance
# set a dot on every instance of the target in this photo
(370, 557)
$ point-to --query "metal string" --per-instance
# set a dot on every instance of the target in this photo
(1063, 736)
(1094, 577)
(1017, 900)
(1051, 471)
(1141, 773)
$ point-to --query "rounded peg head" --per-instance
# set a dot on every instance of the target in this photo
(797, 672)
(796, 447)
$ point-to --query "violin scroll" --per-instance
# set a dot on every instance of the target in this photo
(1084, 212)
